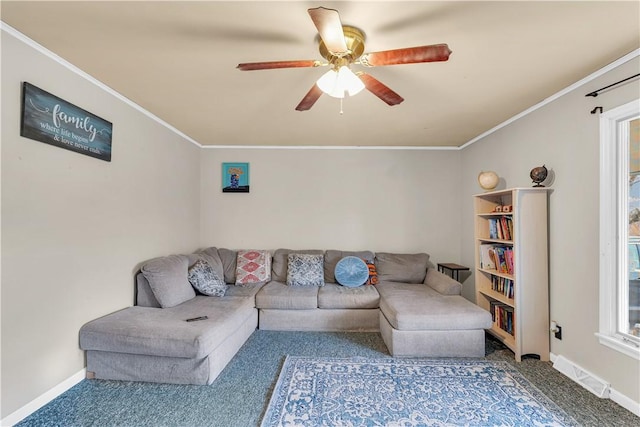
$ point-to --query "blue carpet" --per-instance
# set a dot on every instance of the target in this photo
(361, 392)
(239, 396)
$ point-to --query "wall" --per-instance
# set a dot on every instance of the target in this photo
(74, 228)
(564, 136)
(382, 200)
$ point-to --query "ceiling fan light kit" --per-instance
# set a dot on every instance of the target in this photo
(335, 84)
(342, 46)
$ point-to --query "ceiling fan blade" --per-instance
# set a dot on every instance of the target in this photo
(251, 66)
(409, 55)
(327, 21)
(309, 99)
(380, 90)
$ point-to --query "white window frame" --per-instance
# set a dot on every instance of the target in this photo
(614, 128)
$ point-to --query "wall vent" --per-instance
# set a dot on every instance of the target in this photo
(585, 378)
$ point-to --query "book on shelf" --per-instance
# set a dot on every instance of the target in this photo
(509, 257)
(501, 228)
(502, 315)
(504, 259)
(504, 225)
(496, 257)
(493, 228)
(487, 260)
(502, 285)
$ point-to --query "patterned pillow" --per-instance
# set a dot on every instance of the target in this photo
(253, 267)
(204, 278)
(305, 270)
(373, 273)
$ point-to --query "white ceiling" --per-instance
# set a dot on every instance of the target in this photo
(177, 60)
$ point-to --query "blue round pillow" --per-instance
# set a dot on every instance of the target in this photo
(351, 272)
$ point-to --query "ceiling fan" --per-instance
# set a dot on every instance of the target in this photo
(342, 46)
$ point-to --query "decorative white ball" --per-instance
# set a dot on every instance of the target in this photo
(488, 180)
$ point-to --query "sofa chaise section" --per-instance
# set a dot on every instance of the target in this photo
(155, 344)
(418, 321)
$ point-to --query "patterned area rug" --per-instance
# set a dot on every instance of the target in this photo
(407, 392)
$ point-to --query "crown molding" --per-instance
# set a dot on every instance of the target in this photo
(43, 50)
(628, 57)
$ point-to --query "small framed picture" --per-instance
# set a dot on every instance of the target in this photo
(235, 177)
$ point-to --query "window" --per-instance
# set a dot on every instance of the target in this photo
(620, 229)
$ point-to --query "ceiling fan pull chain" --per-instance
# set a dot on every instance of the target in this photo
(341, 112)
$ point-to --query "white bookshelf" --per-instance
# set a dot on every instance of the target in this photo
(521, 320)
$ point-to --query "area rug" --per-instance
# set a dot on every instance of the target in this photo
(340, 392)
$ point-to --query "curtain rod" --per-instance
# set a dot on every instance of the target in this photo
(596, 92)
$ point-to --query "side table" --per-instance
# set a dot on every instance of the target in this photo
(453, 269)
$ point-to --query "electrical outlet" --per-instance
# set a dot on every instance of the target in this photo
(558, 332)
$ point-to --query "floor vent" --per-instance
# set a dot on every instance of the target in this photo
(585, 378)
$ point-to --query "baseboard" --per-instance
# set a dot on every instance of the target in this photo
(42, 400)
(624, 401)
(592, 383)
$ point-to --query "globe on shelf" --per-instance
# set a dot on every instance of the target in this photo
(538, 175)
(488, 180)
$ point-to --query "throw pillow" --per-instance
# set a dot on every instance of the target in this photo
(253, 267)
(332, 256)
(305, 270)
(351, 272)
(167, 277)
(205, 279)
(281, 260)
(373, 273)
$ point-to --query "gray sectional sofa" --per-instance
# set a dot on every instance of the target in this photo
(418, 311)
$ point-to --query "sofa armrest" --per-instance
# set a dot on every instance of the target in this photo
(442, 283)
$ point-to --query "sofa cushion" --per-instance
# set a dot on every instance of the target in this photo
(253, 266)
(144, 295)
(164, 332)
(334, 296)
(229, 258)
(405, 268)
(281, 260)
(416, 307)
(278, 295)
(406, 290)
(245, 291)
(352, 272)
(332, 256)
(205, 280)
(167, 277)
(212, 256)
(305, 270)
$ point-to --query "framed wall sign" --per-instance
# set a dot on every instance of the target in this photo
(235, 177)
(49, 119)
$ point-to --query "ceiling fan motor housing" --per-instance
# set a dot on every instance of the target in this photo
(354, 38)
